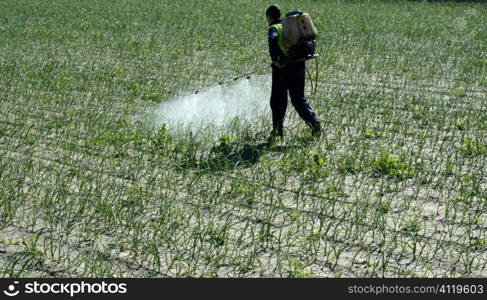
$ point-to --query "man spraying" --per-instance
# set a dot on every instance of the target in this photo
(287, 74)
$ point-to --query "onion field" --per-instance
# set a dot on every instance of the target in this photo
(396, 186)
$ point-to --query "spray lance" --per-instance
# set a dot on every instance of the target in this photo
(249, 75)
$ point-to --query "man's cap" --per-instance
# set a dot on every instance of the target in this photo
(273, 11)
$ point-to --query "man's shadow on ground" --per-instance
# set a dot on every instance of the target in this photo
(227, 159)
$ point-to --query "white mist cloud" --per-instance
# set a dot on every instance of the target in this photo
(244, 99)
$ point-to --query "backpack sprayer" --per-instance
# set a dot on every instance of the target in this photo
(299, 34)
(299, 37)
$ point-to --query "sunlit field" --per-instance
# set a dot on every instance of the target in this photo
(395, 187)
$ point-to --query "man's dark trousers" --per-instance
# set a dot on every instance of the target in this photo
(292, 78)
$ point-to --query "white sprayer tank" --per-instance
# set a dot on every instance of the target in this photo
(297, 29)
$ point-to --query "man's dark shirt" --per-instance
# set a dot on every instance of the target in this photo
(274, 49)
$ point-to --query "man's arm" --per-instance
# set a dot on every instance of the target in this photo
(273, 38)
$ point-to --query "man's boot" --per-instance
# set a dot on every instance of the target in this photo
(277, 134)
(315, 128)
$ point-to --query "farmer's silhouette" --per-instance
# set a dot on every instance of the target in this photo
(287, 74)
